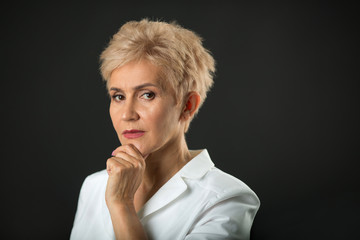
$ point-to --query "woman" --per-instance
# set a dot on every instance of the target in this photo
(154, 187)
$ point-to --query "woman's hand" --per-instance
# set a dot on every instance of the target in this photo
(126, 169)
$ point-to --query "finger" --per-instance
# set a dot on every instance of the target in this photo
(134, 149)
(116, 164)
(137, 151)
(130, 150)
(123, 156)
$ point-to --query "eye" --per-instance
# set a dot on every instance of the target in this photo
(118, 97)
(148, 95)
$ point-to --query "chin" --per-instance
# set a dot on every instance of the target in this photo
(137, 144)
(140, 147)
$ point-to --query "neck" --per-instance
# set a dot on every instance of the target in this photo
(165, 162)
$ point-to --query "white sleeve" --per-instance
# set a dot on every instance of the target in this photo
(229, 218)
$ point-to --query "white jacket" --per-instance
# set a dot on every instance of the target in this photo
(198, 202)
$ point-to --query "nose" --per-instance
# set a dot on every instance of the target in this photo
(129, 111)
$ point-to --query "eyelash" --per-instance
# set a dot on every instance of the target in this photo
(149, 93)
(115, 96)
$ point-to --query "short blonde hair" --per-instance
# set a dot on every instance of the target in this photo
(183, 61)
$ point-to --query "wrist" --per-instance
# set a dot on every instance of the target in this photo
(120, 205)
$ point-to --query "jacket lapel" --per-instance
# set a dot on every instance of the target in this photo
(172, 189)
(165, 195)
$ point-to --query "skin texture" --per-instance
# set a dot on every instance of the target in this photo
(157, 115)
(140, 166)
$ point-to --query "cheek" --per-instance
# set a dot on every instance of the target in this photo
(163, 119)
(114, 115)
(157, 116)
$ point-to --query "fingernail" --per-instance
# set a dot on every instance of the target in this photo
(113, 153)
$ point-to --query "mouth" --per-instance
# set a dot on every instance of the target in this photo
(133, 133)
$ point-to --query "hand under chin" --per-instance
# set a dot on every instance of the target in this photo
(144, 152)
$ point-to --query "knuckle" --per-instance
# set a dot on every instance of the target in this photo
(117, 169)
(140, 166)
(128, 148)
(118, 153)
(137, 166)
(109, 161)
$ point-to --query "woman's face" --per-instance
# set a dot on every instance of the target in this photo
(142, 112)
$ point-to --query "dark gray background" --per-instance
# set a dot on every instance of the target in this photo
(283, 115)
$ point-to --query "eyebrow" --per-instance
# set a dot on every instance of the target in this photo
(136, 87)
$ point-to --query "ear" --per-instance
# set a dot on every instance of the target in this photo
(191, 105)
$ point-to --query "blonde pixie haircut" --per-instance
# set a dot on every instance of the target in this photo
(184, 63)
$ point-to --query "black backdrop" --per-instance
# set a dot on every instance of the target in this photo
(283, 115)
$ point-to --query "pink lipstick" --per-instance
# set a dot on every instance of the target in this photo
(133, 133)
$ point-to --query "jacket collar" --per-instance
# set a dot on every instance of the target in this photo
(198, 166)
(172, 189)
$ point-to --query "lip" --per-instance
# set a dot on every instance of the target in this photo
(133, 133)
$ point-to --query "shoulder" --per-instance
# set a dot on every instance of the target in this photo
(227, 206)
(225, 186)
(220, 182)
(204, 177)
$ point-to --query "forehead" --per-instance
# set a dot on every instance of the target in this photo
(133, 74)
